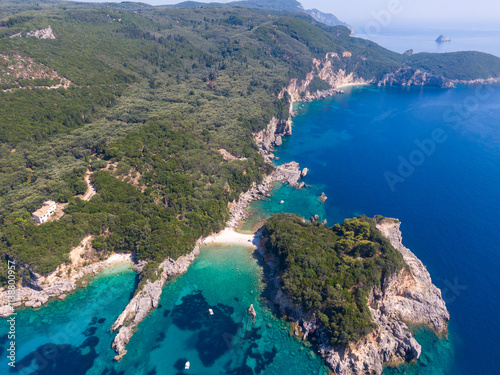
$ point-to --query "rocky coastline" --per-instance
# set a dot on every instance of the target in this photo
(146, 300)
(407, 76)
(408, 297)
(480, 81)
(289, 173)
(320, 95)
(326, 69)
(65, 279)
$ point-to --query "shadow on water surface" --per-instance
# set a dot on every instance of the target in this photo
(70, 360)
(213, 330)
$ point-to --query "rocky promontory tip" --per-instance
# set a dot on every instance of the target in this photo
(58, 284)
(146, 300)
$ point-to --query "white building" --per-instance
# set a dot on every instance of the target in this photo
(42, 214)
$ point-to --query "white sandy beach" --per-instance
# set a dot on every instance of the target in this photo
(229, 235)
(119, 258)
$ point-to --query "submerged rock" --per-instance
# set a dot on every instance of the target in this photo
(323, 197)
(314, 218)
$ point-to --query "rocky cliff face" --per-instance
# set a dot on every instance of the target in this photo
(479, 81)
(270, 137)
(415, 298)
(332, 69)
(328, 70)
(297, 91)
(414, 77)
(407, 297)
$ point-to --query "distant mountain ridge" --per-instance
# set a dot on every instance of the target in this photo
(286, 5)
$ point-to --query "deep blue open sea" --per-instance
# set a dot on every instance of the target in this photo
(446, 196)
(429, 157)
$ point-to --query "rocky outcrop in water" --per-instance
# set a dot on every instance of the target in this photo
(443, 39)
(406, 297)
(251, 312)
(146, 300)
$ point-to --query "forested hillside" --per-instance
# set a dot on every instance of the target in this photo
(151, 95)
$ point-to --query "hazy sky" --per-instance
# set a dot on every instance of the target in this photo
(433, 12)
(365, 14)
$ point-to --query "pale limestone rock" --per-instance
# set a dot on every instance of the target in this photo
(251, 311)
(146, 300)
(42, 34)
(56, 284)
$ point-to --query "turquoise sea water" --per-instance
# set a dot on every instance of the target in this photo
(73, 337)
(449, 205)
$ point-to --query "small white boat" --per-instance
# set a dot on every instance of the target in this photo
(186, 366)
(282, 202)
(211, 311)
